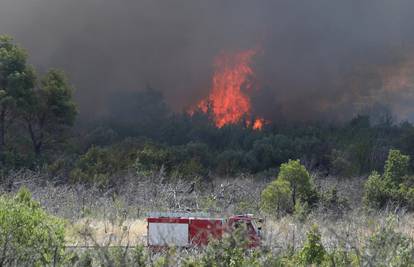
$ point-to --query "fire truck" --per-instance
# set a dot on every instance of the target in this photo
(165, 229)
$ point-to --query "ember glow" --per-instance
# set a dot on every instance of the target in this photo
(228, 100)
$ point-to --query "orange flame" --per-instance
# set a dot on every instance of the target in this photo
(258, 124)
(228, 101)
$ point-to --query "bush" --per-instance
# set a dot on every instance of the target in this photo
(301, 211)
(313, 251)
(330, 201)
(389, 248)
(152, 159)
(230, 162)
(376, 191)
(230, 251)
(395, 185)
(28, 235)
(276, 197)
(95, 166)
(99, 164)
(340, 164)
(396, 166)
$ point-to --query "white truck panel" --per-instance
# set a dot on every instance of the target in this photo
(168, 234)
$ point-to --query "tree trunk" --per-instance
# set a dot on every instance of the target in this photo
(36, 142)
(294, 196)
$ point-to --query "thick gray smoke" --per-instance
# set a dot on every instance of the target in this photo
(320, 59)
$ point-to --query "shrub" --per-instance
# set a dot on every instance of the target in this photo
(276, 197)
(340, 164)
(151, 159)
(396, 166)
(95, 166)
(395, 185)
(99, 164)
(230, 251)
(332, 202)
(389, 248)
(301, 211)
(230, 162)
(376, 191)
(341, 257)
(313, 251)
(28, 235)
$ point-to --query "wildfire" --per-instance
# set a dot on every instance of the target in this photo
(228, 99)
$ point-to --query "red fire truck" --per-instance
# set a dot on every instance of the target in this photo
(196, 229)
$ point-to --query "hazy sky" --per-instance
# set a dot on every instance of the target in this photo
(320, 58)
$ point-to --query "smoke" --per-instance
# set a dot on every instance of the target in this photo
(320, 59)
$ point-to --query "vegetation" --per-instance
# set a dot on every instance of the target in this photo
(37, 111)
(27, 233)
(394, 187)
(291, 189)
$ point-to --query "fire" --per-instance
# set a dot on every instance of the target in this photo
(228, 99)
(258, 124)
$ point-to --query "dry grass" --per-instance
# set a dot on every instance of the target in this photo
(90, 232)
(116, 216)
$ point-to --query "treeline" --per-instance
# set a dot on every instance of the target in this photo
(141, 134)
(184, 146)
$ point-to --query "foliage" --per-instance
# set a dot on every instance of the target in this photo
(377, 191)
(299, 180)
(50, 110)
(276, 197)
(41, 112)
(389, 248)
(301, 211)
(28, 235)
(16, 80)
(394, 186)
(313, 251)
(330, 201)
(97, 165)
(396, 166)
(230, 162)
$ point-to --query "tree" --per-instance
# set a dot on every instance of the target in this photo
(16, 81)
(50, 110)
(276, 197)
(313, 251)
(299, 179)
(377, 191)
(395, 185)
(396, 166)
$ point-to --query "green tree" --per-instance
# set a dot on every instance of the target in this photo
(396, 166)
(16, 81)
(377, 191)
(313, 251)
(50, 110)
(28, 235)
(299, 179)
(276, 197)
(395, 185)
